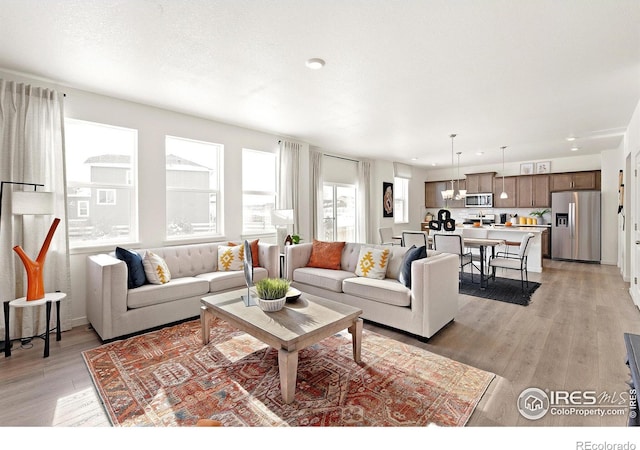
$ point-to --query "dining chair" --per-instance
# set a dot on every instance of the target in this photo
(417, 238)
(481, 233)
(513, 261)
(386, 236)
(452, 243)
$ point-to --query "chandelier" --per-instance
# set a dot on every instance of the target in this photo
(455, 193)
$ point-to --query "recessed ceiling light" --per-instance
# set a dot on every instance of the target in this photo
(575, 149)
(571, 138)
(414, 159)
(434, 164)
(315, 63)
(479, 153)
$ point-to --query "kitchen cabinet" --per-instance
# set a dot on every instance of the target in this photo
(533, 191)
(510, 187)
(433, 196)
(546, 243)
(570, 181)
(480, 183)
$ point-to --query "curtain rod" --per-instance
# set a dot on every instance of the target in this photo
(340, 157)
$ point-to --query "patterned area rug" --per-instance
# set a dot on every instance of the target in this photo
(168, 378)
(502, 289)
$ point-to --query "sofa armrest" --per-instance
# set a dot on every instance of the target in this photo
(269, 256)
(106, 292)
(295, 257)
(434, 290)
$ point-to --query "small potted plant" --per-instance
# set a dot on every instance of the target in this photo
(272, 293)
(295, 238)
(539, 214)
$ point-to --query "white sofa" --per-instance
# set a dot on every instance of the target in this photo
(429, 305)
(115, 311)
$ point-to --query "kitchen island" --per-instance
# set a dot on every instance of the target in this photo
(515, 234)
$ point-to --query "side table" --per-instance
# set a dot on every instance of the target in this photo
(22, 302)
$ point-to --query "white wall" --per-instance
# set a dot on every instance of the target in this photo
(632, 204)
(611, 165)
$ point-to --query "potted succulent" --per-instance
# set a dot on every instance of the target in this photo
(295, 238)
(539, 214)
(272, 293)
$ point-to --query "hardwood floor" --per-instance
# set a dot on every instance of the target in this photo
(568, 338)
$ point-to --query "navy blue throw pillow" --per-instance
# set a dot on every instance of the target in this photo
(405, 268)
(135, 269)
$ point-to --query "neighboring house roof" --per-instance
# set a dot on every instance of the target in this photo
(172, 160)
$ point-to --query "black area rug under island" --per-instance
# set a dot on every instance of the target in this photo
(502, 289)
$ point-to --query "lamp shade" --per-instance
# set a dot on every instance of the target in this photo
(31, 202)
(282, 217)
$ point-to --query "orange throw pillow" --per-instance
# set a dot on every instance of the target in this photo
(255, 257)
(326, 255)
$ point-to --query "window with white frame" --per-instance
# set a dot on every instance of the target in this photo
(400, 200)
(101, 183)
(258, 191)
(193, 187)
(338, 212)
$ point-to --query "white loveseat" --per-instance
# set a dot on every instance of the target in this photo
(114, 310)
(429, 305)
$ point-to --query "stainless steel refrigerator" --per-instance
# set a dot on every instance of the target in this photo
(575, 226)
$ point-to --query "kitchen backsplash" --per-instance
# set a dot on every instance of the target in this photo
(459, 214)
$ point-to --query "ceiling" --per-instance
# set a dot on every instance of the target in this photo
(400, 76)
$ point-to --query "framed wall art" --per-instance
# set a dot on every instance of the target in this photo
(543, 167)
(526, 169)
(387, 199)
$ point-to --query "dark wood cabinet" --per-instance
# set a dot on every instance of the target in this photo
(480, 183)
(546, 243)
(570, 181)
(510, 187)
(533, 191)
(433, 194)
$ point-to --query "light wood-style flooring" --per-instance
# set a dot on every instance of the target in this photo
(569, 337)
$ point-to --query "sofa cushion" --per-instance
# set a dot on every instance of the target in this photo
(222, 281)
(395, 262)
(322, 278)
(326, 255)
(176, 289)
(155, 268)
(387, 291)
(372, 262)
(230, 258)
(255, 253)
(135, 270)
(410, 256)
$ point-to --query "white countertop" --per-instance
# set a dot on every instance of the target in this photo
(518, 228)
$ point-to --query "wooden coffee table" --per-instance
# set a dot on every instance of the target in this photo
(299, 324)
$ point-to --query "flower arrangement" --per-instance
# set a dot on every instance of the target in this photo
(272, 288)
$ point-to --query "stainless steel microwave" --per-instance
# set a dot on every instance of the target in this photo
(479, 200)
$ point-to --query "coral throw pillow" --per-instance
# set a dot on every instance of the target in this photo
(326, 255)
(373, 262)
(255, 257)
(156, 269)
(230, 258)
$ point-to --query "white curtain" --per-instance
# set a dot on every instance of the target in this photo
(288, 185)
(364, 186)
(316, 186)
(32, 151)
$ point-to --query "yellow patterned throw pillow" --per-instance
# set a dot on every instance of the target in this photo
(155, 268)
(230, 258)
(373, 262)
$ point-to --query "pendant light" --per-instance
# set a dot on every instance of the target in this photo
(460, 193)
(504, 194)
(451, 193)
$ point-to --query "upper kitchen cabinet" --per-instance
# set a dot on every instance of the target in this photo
(510, 187)
(533, 191)
(569, 181)
(433, 196)
(480, 183)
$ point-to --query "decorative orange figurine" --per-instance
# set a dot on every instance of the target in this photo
(35, 281)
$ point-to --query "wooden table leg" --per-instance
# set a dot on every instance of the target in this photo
(356, 339)
(204, 324)
(288, 366)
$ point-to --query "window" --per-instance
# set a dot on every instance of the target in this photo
(106, 196)
(101, 183)
(339, 212)
(258, 191)
(400, 200)
(193, 187)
